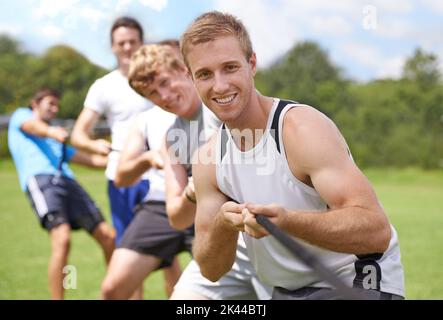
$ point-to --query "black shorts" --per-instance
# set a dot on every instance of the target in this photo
(62, 202)
(311, 293)
(150, 233)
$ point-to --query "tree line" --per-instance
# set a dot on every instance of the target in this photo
(386, 122)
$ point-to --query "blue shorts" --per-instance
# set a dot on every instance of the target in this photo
(122, 202)
(62, 202)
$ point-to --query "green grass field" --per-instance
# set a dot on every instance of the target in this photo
(412, 198)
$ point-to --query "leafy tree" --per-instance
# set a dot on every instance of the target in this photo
(393, 123)
(69, 72)
(60, 67)
(14, 64)
(9, 45)
(22, 73)
(422, 68)
(307, 75)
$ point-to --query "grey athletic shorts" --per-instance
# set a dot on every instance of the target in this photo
(150, 233)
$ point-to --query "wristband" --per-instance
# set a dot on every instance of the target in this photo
(188, 196)
(47, 132)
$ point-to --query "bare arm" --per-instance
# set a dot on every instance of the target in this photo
(81, 134)
(134, 161)
(217, 224)
(181, 211)
(41, 129)
(90, 159)
(317, 155)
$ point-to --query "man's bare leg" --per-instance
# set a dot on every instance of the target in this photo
(126, 272)
(104, 235)
(171, 276)
(60, 244)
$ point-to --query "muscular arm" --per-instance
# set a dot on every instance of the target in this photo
(217, 224)
(181, 211)
(81, 133)
(41, 129)
(134, 161)
(317, 155)
(89, 159)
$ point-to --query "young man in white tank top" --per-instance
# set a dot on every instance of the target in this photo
(158, 73)
(286, 161)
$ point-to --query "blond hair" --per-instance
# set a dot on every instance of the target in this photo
(146, 62)
(211, 26)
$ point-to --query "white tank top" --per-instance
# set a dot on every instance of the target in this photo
(262, 175)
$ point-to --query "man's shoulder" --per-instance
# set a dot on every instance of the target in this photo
(179, 123)
(309, 135)
(157, 113)
(155, 118)
(113, 74)
(306, 117)
(109, 78)
(20, 115)
(22, 111)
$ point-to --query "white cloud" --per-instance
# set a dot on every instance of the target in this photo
(122, 5)
(396, 28)
(52, 32)
(433, 5)
(390, 67)
(51, 9)
(334, 25)
(93, 16)
(265, 32)
(275, 26)
(10, 29)
(73, 12)
(157, 5)
(394, 7)
(372, 58)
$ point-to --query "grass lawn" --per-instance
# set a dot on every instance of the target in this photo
(25, 250)
(412, 198)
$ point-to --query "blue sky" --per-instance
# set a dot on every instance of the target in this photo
(368, 39)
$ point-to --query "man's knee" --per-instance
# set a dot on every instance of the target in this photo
(104, 234)
(108, 289)
(111, 290)
(61, 239)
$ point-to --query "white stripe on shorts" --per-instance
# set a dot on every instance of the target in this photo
(37, 196)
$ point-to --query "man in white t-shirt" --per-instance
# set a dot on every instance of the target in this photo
(112, 97)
